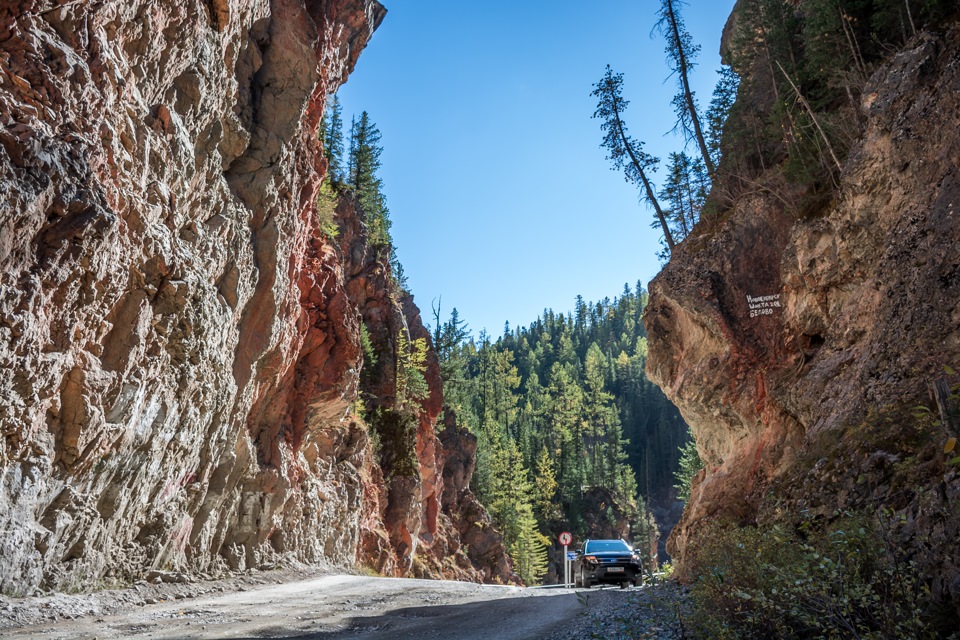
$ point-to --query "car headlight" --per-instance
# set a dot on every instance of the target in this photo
(591, 559)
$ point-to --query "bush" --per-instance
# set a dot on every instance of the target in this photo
(844, 581)
(326, 210)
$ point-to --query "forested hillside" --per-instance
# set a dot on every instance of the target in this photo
(571, 433)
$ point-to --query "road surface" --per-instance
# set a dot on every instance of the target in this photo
(334, 608)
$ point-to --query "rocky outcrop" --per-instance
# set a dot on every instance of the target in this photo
(472, 548)
(784, 335)
(420, 516)
(179, 343)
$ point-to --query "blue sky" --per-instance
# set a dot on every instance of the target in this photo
(501, 200)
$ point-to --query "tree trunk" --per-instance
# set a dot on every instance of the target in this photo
(687, 94)
(651, 197)
(813, 116)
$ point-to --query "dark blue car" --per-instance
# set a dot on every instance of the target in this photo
(610, 561)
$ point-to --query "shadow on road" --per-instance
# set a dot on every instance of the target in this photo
(523, 618)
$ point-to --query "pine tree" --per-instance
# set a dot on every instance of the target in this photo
(625, 153)
(724, 96)
(450, 343)
(529, 549)
(411, 356)
(363, 166)
(567, 399)
(545, 489)
(681, 54)
(332, 137)
(685, 192)
(690, 464)
(509, 501)
(675, 194)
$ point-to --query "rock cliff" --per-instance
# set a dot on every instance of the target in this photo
(797, 340)
(179, 343)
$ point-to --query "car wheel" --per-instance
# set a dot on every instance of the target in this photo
(623, 584)
(578, 579)
(585, 582)
(638, 580)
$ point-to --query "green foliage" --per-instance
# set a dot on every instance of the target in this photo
(411, 358)
(545, 491)
(398, 277)
(805, 69)
(690, 464)
(645, 536)
(684, 193)
(396, 434)
(569, 393)
(842, 581)
(509, 502)
(451, 345)
(623, 152)
(366, 346)
(363, 165)
(326, 210)
(682, 52)
(724, 97)
(331, 135)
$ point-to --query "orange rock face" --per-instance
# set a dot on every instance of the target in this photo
(772, 330)
(180, 344)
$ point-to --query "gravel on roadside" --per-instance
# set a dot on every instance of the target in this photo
(657, 611)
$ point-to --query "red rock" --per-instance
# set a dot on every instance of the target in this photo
(866, 314)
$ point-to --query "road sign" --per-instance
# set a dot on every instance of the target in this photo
(566, 538)
(571, 555)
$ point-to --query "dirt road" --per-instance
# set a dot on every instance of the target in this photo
(333, 608)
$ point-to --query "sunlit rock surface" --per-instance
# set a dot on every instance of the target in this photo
(179, 343)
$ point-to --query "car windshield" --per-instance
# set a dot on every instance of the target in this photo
(599, 546)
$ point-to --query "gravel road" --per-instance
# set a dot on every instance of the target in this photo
(292, 605)
(328, 608)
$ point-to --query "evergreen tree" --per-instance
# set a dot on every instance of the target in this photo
(529, 549)
(363, 165)
(624, 152)
(690, 464)
(331, 133)
(676, 194)
(545, 490)
(509, 501)
(724, 96)
(681, 54)
(560, 408)
(685, 192)
(411, 357)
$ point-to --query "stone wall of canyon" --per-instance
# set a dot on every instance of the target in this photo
(179, 343)
(797, 340)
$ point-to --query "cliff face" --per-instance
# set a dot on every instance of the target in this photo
(789, 338)
(179, 343)
(419, 516)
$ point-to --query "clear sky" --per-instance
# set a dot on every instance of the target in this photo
(502, 201)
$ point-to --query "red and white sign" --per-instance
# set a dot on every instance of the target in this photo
(566, 538)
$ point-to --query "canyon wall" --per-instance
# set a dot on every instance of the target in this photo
(797, 334)
(180, 353)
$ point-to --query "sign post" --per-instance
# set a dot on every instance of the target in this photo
(566, 539)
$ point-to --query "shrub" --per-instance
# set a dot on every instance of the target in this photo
(326, 210)
(843, 581)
